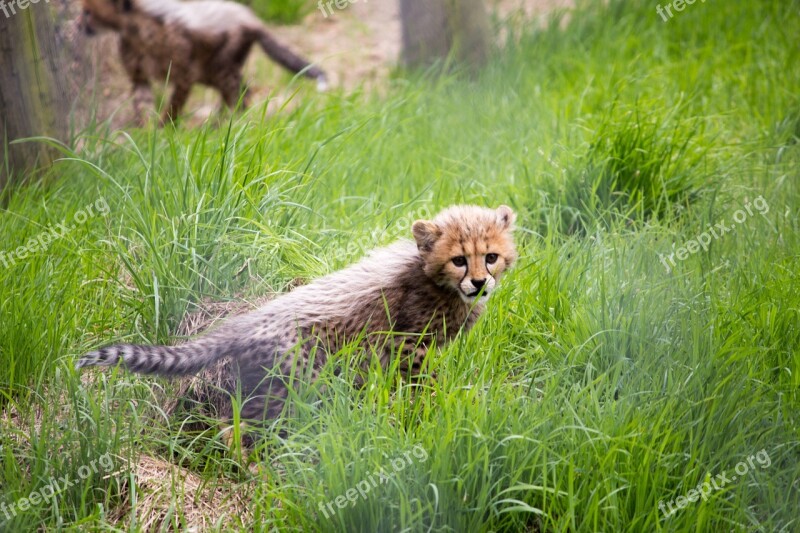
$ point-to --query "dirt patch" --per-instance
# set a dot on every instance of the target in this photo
(163, 489)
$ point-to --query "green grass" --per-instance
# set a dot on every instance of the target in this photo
(281, 11)
(597, 384)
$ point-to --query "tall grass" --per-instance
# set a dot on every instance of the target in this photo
(598, 384)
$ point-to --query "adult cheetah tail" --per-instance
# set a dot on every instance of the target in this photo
(289, 60)
(180, 360)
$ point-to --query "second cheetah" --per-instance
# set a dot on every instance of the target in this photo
(202, 41)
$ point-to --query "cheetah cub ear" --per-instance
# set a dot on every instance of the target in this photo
(426, 233)
(507, 217)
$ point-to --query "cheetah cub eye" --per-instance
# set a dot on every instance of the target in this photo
(460, 261)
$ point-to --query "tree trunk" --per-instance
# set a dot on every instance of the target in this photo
(33, 100)
(435, 30)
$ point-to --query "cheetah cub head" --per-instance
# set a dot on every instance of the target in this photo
(467, 248)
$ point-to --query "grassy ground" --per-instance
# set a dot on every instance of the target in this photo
(609, 387)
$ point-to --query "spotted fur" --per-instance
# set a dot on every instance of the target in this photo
(203, 41)
(395, 303)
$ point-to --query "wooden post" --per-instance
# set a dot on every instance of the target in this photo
(33, 100)
(435, 29)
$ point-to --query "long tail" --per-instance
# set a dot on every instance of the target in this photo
(289, 60)
(180, 360)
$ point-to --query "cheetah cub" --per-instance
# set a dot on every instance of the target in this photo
(395, 303)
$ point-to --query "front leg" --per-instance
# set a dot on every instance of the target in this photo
(142, 95)
(142, 102)
(232, 90)
(180, 95)
(412, 351)
(413, 354)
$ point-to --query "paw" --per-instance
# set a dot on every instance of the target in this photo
(322, 83)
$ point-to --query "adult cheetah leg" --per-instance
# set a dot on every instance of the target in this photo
(142, 95)
(232, 90)
(142, 100)
(179, 97)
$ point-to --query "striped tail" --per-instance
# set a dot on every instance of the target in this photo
(289, 60)
(180, 360)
